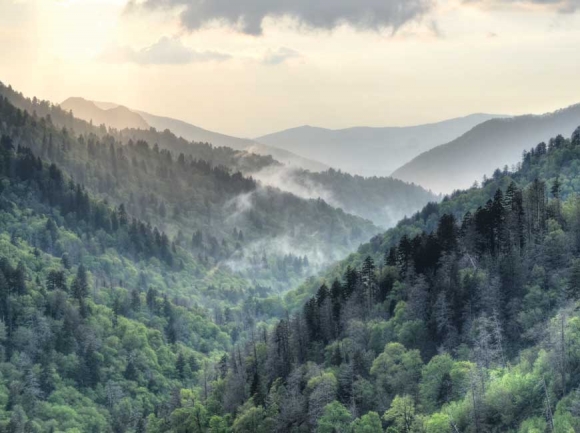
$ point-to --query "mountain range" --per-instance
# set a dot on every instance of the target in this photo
(118, 116)
(486, 147)
(370, 151)
(148, 285)
(231, 223)
(391, 198)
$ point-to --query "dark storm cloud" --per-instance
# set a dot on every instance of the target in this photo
(248, 15)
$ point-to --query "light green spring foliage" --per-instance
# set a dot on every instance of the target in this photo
(335, 419)
(131, 346)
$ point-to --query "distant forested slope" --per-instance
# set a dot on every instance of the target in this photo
(114, 115)
(370, 151)
(464, 318)
(492, 144)
(269, 236)
(383, 200)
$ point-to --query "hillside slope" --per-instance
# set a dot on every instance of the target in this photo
(370, 151)
(463, 318)
(271, 238)
(100, 324)
(479, 152)
(88, 110)
(383, 200)
(116, 117)
(195, 133)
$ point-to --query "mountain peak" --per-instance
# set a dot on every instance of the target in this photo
(119, 117)
(370, 151)
(478, 152)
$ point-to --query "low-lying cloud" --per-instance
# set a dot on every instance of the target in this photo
(248, 15)
(285, 178)
(166, 51)
(279, 56)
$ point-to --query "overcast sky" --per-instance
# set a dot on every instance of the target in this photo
(250, 67)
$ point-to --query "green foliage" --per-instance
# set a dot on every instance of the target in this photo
(335, 419)
(401, 414)
(382, 200)
(368, 423)
(397, 369)
(462, 318)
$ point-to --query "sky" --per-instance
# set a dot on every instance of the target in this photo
(252, 67)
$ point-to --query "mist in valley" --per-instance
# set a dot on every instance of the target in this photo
(384, 201)
(187, 258)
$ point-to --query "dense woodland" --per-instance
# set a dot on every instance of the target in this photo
(463, 318)
(470, 327)
(226, 218)
(383, 200)
(455, 164)
(216, 156)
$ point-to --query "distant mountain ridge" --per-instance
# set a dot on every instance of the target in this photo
(117, 116)
(369, 151)
(195, 133)
(391, 198)
(490, 145)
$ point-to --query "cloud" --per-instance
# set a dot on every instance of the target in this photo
(289, 179)
(166, 51)
(435, 29)
(563, 6)
(279, 56)
(248, 15)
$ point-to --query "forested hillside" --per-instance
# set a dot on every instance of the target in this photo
(132, 302)
(270, 237)
(498, 142)
(383, 200)
(115, 117)
(118, 116)
(215, 155)
(463, 318)
(97, 325)
(371, 151)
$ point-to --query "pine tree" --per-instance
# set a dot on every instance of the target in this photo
(573, 288)
(576, 137)
(180, 365)
(391, 257)
(80, 286)
(135, 300)
(89, 373)
(131, 372)
(369, 282)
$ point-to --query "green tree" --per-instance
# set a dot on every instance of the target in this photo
(437, 423)
(190, 419)
(80, 286)
(253, 420)
(573, 288)
(335, 419)
(218, 425)
(369, 423)
(436, 387)
(401, 414)
(397, 369)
